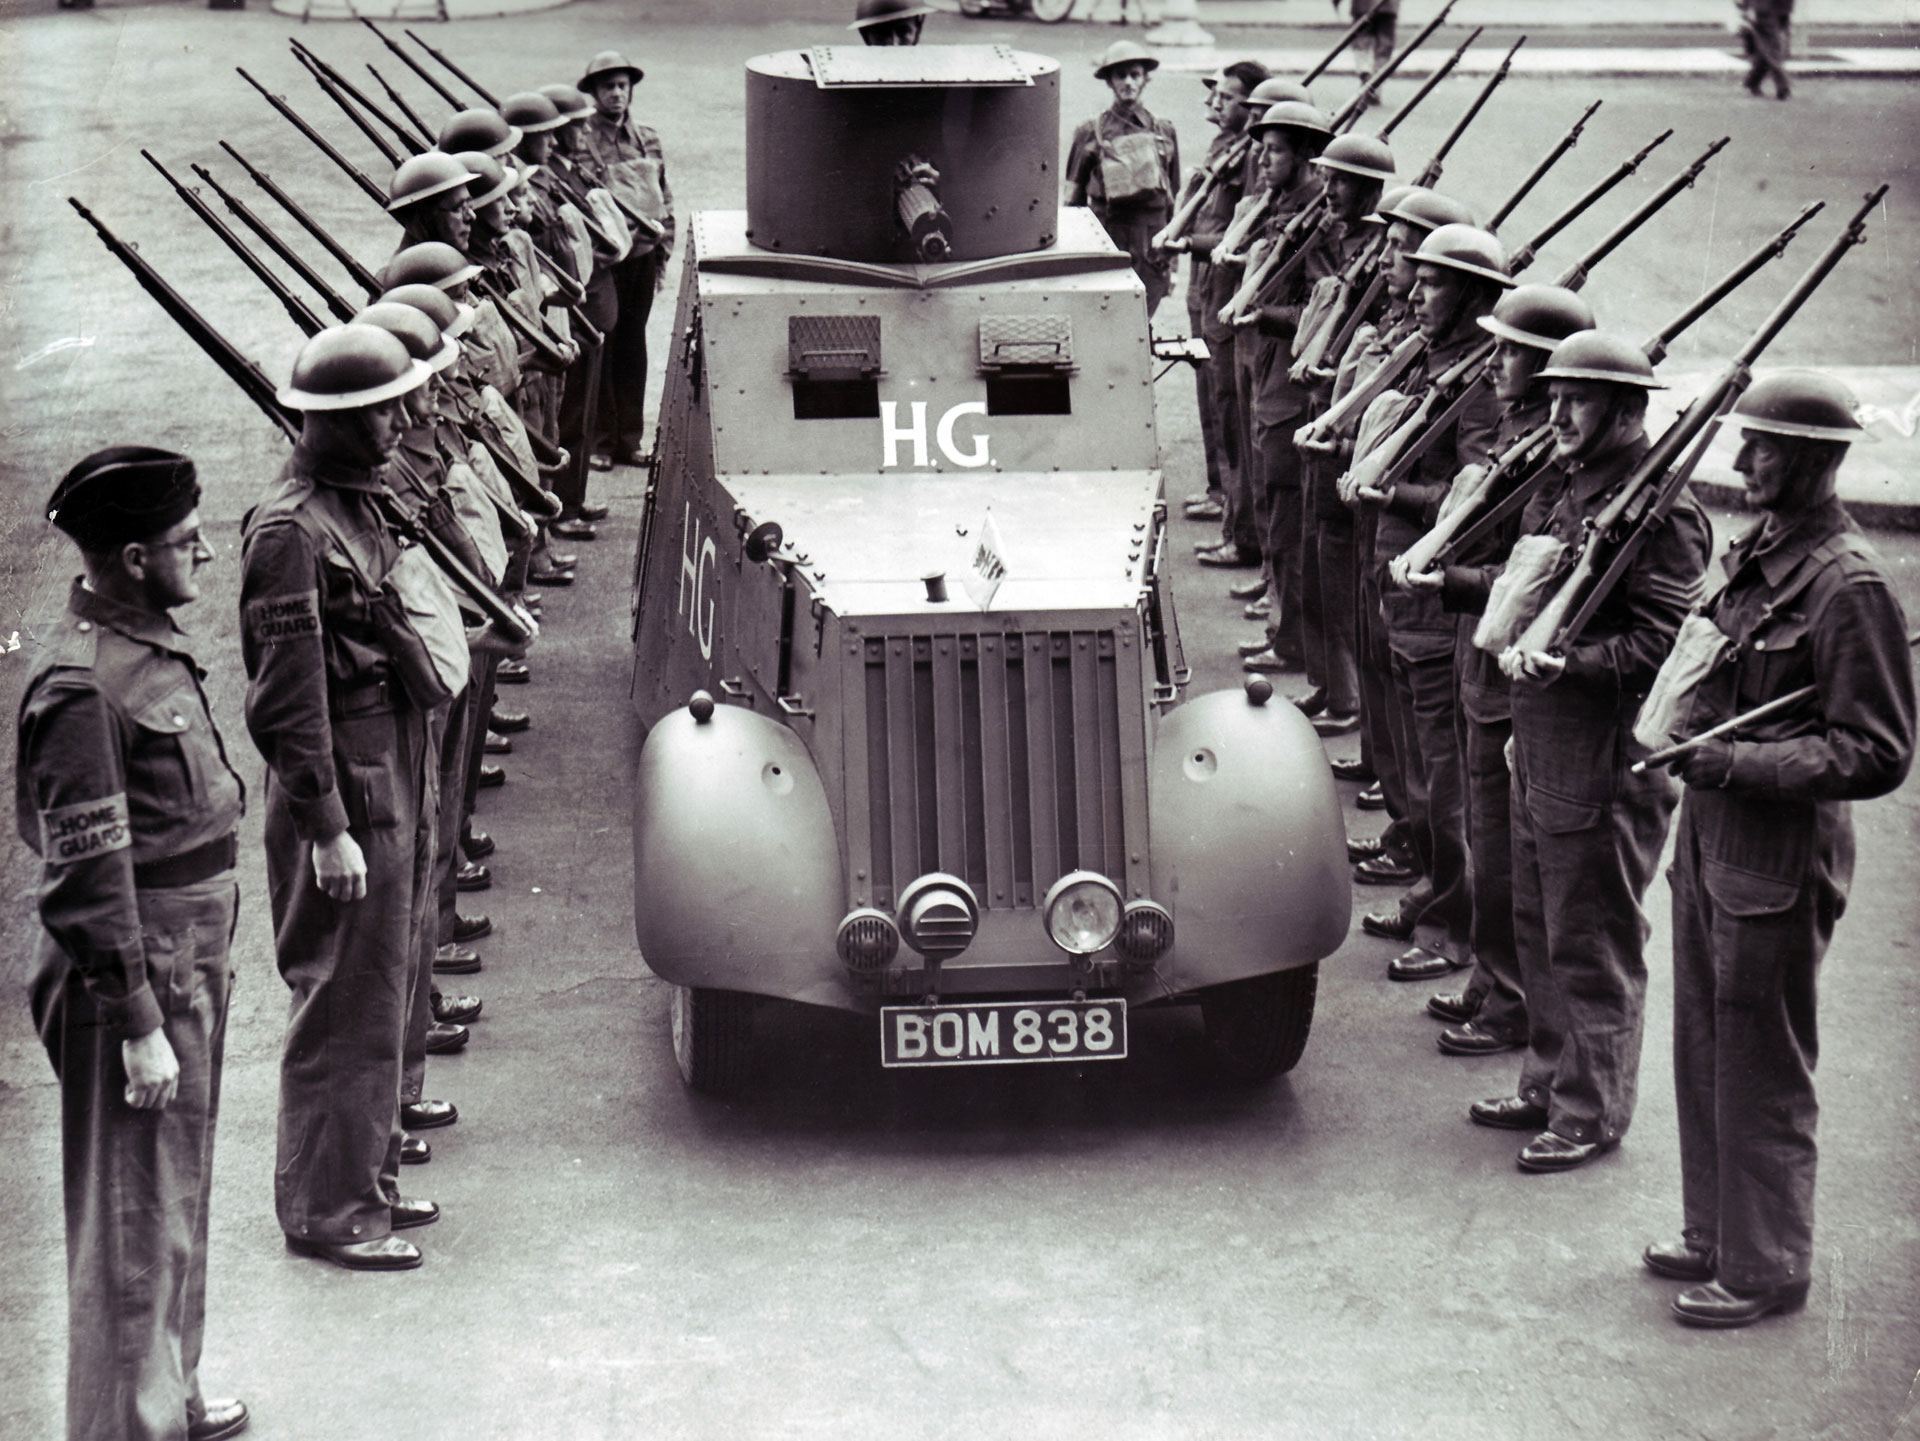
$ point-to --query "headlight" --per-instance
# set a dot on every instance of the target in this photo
(1146, 933)
(938, 915)
(1083, 913)
(867, 940)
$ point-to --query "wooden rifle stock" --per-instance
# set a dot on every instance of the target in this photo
(354, 173)
(362, 276)
(291, 258)
(1324, 426)
(1460, 529)
(1208, 180)
(531, 331)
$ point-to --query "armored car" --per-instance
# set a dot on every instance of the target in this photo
(917, 743)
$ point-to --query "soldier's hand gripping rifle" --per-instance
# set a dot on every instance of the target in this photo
(292, 116)
(1389, 462)
(1206, 180)
(1463, 525)
(291, 258)
(1622, 529)
(1319, 433)
(253, 382)
(362, 277)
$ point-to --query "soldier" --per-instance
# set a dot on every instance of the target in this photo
(1766, 33)
(551, 221)
(1490, 1014)
(1227, 109)
(431, 196)
(889, 22)
(631, 164)
(350, 668)
(1587, 832)
(1764, 855)
(1123, 164)
(124, 789)
(1459, 271)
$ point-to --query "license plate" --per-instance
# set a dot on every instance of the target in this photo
(987, 1033)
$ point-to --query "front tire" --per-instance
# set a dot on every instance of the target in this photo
(1257, 1028)
(1052, 12)
(713, 1038)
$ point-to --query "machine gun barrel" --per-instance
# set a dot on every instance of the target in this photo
(465, 79)
(290, 257)
(1429, 85)
(337, 93)
(422, 130)
(1356, 107)
(1548, 161)
(1431, 174)
(237, 367)
(297, 309)
(416, 67)
(1655, 485)
(292, 116)
(1647, 209)
(1523, 257)
(362, 277)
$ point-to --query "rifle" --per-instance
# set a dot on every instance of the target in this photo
(528, 329)
(1339, 46)
(338, 96)
(1401, 451)
(414, 143)
(1429, 85)
(354, 173)
(1654, 487)
(1205, 181)
(296, 308)
(420, 126)
(1436, 544)
(362, 276)
(455, 70)
(290, 257)
(417, 68)
(1429, 176)
(1547, 162)
(1356, 107)
(1318, 432)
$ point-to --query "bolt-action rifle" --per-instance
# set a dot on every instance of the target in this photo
(253, 382)
(338, 95)
(297, 309)
(1462, 527)
(362, 277)
(1463, 382)
(292, 116)
(1318, 434)
(474, 85)
(291, 258)
(1623, 528)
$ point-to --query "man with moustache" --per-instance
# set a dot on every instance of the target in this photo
(1124, 163)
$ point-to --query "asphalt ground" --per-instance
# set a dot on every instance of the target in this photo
(1129, 1250)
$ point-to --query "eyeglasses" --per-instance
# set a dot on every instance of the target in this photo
(196, 541)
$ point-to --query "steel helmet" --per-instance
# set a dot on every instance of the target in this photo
(419, 334)
(421, 177)
(1596, 355)
(1363, 155)
(880, 12)
(531, 112)
(491, 179)
(1124, 52)
(606, 64)
(1294, 115)
(451, 317)
(477, 130)
(568, 100)
(431, 262)
(1275, 88)
(1801, 403)
(1538, 315)
(1465, 248)
(347, 367)
(1421, 208)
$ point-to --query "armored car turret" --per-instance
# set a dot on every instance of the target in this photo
(903, 641)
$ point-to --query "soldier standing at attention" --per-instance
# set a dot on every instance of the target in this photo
(124, 789)
(1764, 856)
(633, 167)
(1123, 164)
(1587, 832)
(889, 22)
(349, 678)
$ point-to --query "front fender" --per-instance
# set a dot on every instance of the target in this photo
(737, 877)
(1249, 849)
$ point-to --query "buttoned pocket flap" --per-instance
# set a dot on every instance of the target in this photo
(1747, 894)
(1559, 816)
(1782, 633)
(369, 796)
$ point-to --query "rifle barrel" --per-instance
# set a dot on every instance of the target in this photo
(292, 117)
(288, 255)
(1430, 84)
(1816, 274)
(1656, 346)
(1356, 107)
(1586, 202)
(465, 79)
(433, 84)
(296, 309)
(1647, 209)
(1493, 83)
(1353, 34)
(361, 275)
(421, 134)
(1551, 159)
(337, 93)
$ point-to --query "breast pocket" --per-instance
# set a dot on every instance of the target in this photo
(164, 765)
(1777, 658)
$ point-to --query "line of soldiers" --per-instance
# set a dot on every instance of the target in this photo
(1525, 817)
(383, 597)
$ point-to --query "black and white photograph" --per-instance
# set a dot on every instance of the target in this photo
(960, 719)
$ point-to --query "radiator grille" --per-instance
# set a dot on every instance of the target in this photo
(996, 758)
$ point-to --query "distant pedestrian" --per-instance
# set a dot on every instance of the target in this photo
(1766, 37)
(1383, 18)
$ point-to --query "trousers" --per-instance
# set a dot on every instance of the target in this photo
(447, 734)
(1219, 421)
(135, 1182)
(1423, 705)
(1375, 664)
(1246, 497)
(1746, 956)
(1280, 473)
(349, 966)
(623, 377)
(1327, 595)
(1495, 987)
